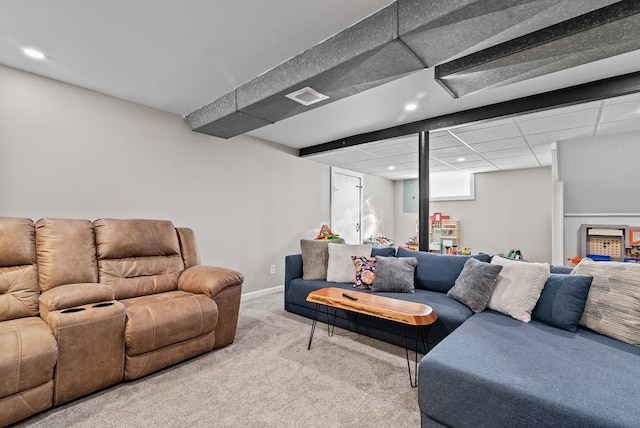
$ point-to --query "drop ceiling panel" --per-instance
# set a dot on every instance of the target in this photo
(507, 143)
(451, 151)
(443, 141)
(506, 153)
(408, 158)
(358, 156)
(481, 125)
(543, 149)
(562, 121)
(620, 126)
(565, 134)
(621, 111)
(509, 130)
(489, 168)
(390, 150)
(558, 111)
(440, 168)
(467, 158)
(529, 160)
(412, 165)
(524, 165)
(473, 164)
(374, 163)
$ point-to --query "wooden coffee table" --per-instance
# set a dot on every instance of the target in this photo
(406, 313)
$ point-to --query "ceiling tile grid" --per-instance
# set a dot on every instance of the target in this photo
(524, 141)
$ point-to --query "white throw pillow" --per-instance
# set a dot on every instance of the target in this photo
(518, 287)
(341, 267)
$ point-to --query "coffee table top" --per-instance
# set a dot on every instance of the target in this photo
(411, 313)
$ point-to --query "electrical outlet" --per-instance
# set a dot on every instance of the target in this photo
(273, 269)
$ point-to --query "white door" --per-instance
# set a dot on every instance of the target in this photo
(346, 205)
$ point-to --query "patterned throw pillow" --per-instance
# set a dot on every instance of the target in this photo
(365, 271)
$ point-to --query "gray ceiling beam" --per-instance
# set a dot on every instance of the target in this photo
(602, 33)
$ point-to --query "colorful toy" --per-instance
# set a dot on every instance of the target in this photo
(326, 233)
(575, 260)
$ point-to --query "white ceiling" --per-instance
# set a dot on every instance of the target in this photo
(179, 56)
(524, 141)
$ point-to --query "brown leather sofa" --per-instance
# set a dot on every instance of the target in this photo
(116, 299)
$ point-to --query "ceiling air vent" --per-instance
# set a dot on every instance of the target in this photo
(306, 96)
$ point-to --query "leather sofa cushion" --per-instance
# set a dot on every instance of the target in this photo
(138, 257)
(160, 320)
(18, 270)
(18, 292)
(17, 242)
(28, 353)
(139, 276)
(118, 239)
(66, 252)
(26, 403)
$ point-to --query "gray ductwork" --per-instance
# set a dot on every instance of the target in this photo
(404, 37)
(361, 57)
(600, 33)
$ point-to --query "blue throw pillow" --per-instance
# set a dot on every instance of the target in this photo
(562, 300)
(438, 272)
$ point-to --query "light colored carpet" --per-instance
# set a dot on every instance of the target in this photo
(267, 378)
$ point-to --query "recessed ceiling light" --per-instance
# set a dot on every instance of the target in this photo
(33, 53)
(411, 107)
(391, 168)
(460, 160)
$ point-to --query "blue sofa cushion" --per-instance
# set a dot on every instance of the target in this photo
(438, 272)
(384, 252)
(562, 301)
(497, 371)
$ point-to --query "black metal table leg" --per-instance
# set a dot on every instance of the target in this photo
(333, 321)
(413, 380)
(313, 325)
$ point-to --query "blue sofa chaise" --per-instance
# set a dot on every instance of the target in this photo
(490, 370)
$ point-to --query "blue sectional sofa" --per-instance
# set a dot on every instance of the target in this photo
(435, 274)
(490, 370)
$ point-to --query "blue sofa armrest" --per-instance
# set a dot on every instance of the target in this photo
(292, 269)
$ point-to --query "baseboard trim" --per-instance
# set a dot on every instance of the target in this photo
(260, 293)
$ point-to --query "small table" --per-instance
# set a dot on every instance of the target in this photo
(406, 313)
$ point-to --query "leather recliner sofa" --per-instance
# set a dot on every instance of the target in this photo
(84, 305)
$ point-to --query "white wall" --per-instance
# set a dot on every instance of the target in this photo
(512, 209)
(598, 187)
(73, 153)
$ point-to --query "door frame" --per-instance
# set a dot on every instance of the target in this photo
(342, 171)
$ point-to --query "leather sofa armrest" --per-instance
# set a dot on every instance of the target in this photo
(71, 295)
(208, 280)
(224, 286)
